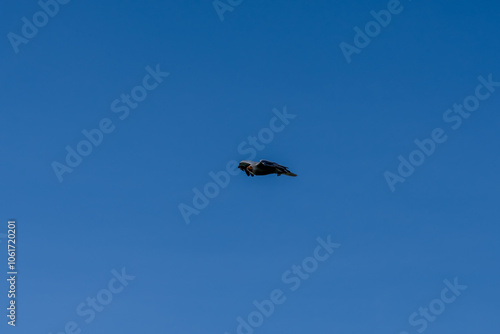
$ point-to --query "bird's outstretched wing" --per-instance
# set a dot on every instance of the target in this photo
(268, 163)
(277, 168)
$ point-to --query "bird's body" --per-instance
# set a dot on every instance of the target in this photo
(263, 167)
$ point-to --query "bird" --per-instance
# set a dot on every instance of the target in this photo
(263, 167)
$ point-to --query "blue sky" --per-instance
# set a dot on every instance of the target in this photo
(111, 229)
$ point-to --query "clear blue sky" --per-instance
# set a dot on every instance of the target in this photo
(119, 207)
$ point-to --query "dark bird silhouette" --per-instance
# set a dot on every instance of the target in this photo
(263, 167)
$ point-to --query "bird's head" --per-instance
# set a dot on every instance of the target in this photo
(244, 164)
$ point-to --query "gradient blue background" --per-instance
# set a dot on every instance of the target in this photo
(119, 208)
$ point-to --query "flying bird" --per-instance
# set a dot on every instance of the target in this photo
(263, 167)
